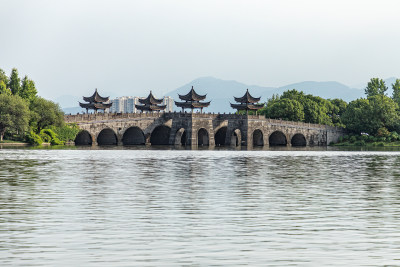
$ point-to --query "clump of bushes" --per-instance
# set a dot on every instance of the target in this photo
(34, 139)
(382, 138)
(49, 136)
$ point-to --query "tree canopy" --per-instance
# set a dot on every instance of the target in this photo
(15, 82)
(371, 114)
(45, 113)
(14, 114)
(297, 106)
(375, 86)
(28, 90)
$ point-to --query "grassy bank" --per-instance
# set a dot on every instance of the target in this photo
(368, 144)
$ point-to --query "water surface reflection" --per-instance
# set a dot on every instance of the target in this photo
(199, 207)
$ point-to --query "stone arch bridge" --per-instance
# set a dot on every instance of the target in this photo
(198, 129)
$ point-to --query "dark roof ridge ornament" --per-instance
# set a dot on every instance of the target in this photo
(247, 102)
(150, 104)
(192, 96)
(95, 102)
(192, 101)
(247, 98)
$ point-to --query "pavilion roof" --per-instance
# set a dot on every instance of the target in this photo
(192, 104)
(247, 98)
(95, 105)
(150, 107)
(192, 96)
(96, 98)
(247, 106)
(150, 100)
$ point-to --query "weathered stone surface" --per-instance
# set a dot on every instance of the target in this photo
(185, 128)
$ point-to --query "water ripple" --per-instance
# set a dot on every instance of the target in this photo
(179, 207)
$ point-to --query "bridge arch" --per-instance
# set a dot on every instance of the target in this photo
(298, 140)
(202, 137)
(277, 138)
(258, 138)
(83, 138)
(181, 137)
(236, 137)
(133, 136)
(220, 136)
(107, 137)
(160, 135)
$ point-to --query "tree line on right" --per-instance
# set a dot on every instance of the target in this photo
(373, 118)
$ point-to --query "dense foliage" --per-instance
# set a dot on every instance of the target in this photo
(375, 118)
(14, 115)
(297, 106)
(26, 116)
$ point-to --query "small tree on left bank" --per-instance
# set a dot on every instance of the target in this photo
(14, 114)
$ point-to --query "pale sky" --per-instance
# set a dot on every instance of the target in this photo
(129, 47)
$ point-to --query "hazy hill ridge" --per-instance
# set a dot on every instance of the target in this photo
(221, 92)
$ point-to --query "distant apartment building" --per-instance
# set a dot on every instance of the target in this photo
(126, 104)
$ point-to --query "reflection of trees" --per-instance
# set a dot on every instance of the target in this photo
(20, 188)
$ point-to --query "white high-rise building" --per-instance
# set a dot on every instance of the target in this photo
(126, 104)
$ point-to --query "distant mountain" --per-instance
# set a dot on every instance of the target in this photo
(221, 92)
(324, 90)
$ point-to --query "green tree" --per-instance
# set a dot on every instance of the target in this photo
(15, 82)
(28, 90)
(375, 86)
(45, 113)
(396, 91)
(369, 115)
(14, 114)
(4, 89)
(286, 109)
(357, 116)
(3, 77)
(339, 107)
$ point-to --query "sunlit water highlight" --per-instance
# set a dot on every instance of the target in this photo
(191, 207)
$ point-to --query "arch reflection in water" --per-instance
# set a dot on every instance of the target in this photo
(220, 136)
(180, 137)
(107, 137)
(298, 140)
(277, 138)
(160, 135)
(202, 137)
(83, 139)
(258, 139)
(236, 138)
(133, 136)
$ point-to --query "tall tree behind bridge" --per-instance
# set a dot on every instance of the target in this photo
(375, 86)
(396, 91)
(15, 82)
(28, 90)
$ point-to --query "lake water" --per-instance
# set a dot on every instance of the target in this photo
(112, 207)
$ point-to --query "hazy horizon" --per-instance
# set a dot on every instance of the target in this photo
(131, 47)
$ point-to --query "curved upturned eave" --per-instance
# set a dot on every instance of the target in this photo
(192, 104)
(95, 105)
(247, 107)
(192, 96)
(95, 98)
(150, 107)
(247, 98)
(150, 100)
